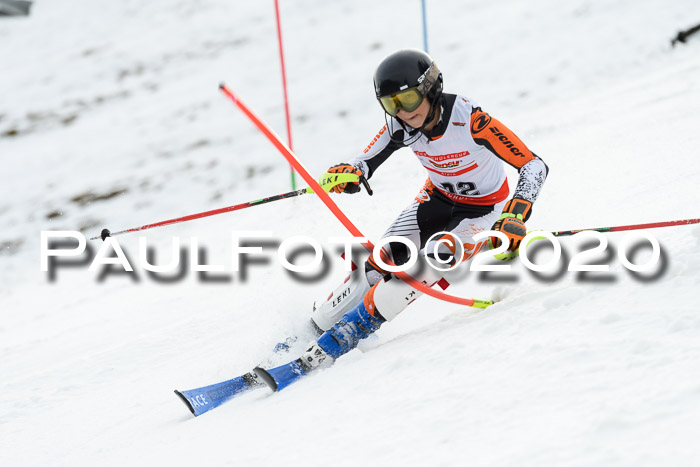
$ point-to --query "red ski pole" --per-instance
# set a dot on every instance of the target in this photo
(620, 228)
(106, 233)
(327, 182)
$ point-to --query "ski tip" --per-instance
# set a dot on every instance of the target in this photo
(266, 377)
(187, 403)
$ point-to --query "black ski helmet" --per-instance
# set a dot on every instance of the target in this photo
(405, 69)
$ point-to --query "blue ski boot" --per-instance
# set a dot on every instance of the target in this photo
(355, 325)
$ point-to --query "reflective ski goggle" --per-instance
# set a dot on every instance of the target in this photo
(408, 100)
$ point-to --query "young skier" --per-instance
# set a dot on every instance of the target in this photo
(463, 150)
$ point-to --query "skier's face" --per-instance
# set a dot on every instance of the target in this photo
(416, 118)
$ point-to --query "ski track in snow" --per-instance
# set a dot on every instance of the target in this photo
(111, 117)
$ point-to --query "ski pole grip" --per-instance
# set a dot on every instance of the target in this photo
(364, 182)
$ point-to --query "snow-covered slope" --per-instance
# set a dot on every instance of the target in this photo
(110, 117)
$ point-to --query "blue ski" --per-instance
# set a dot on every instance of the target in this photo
(204, 399)
(282, 376)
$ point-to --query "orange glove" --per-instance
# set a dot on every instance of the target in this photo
(512, 223)
(346, 187)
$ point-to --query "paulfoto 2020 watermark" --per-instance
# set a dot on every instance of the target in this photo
(444, 251)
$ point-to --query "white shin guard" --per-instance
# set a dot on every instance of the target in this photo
(391, 296)
(343, 299)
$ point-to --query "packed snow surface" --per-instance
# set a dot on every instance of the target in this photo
(110, 116)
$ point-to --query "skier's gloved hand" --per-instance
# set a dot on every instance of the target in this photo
(512, 223)
(346, 187)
